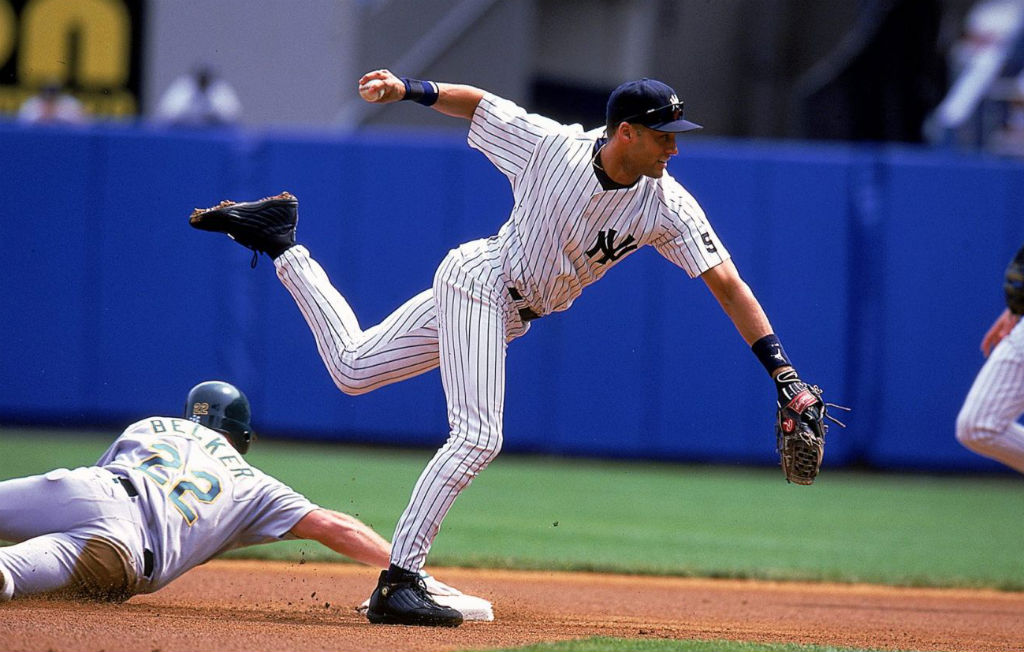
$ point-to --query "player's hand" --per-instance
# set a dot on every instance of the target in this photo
(1000, 329)
(381, 87)
(800, 426)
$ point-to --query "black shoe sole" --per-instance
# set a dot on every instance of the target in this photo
(421, 621)
(222, 219)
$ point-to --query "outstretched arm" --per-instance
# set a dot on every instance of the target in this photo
(740, 304)
(351, 537)
(801, 414)
(346, 535)
(456, 100)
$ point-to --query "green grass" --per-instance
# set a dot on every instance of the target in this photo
(645, 518)
(662, 645)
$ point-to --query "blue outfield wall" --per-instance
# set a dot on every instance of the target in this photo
(879, 267)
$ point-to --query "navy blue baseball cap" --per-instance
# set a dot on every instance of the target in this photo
(650, 103)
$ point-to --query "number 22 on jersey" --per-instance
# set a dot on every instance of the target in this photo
(165, 468)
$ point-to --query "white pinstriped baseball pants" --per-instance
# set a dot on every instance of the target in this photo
(461, 325)
(987, 423)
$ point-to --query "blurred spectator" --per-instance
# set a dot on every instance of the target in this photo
(1008, 140)
(52, 106)
(882, 79)
(199, 98)
(991, 48)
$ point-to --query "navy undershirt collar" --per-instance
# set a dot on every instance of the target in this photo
(607, 183)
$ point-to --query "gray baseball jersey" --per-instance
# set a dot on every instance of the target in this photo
(168, 495)
(565, 232)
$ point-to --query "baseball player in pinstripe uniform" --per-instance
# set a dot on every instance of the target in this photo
(169, 494)
(584, 202)
(987, 423)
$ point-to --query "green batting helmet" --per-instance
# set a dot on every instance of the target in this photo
(222, 407)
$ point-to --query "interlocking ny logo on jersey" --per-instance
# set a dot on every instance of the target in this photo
(606, 245)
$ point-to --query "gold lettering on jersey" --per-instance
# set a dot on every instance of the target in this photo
(210, 441)
(228, 459)
(212, 445)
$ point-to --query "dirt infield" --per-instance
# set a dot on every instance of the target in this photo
(253, 606)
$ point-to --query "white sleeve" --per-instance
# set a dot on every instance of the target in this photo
(684, 235)
(129, 440)
(275, 512)
(507, 134)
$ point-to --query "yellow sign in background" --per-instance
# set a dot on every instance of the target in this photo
(90, 47)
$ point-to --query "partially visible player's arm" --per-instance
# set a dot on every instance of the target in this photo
(999, 329)
(738, 301)
(740, 304)
(356, 540)
(346, 535)
(456, 100)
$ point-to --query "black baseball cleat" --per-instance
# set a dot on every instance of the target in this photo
(265, 226)
(405, 601)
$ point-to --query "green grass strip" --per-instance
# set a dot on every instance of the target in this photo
(606, 644)
(648, 518)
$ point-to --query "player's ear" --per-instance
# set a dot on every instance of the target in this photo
(625, 131)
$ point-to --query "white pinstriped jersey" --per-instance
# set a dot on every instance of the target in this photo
(565, 230)
(197, 496)
(564, 233)
(987, 422)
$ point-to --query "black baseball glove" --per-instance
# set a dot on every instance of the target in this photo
(1013, 284)
(800, 427)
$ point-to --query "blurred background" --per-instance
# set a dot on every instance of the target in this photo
(862, 160)
(864, 70)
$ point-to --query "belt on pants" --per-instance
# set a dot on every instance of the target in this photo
(147, 554)
(526, 314)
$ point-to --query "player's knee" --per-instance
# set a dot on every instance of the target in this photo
(971, 430)
(353, 381)
(350, 386)
(354, 375)
(489, 452)
(484, 449)
(477, 450)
